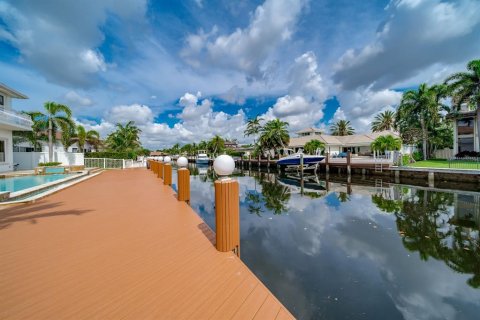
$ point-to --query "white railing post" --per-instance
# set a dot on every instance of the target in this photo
(104, 163)
(123, 163)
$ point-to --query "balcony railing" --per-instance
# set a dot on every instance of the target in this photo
(14, 118)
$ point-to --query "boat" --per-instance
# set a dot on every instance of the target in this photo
(294, 159)
(202, 158)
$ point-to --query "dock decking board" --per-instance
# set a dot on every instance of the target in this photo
(120, 246)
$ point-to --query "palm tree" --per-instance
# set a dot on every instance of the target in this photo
(388, 142)
(125, 138)
(274, 135)
(311, 146)
(342, 128)
(420, 108)
(57, 116)
(67, 137)
(465, 86)
(38, 131)
(83, 136)
(253, 127)
(216, 144)
(383, 121)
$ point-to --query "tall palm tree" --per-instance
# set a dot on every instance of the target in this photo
(216, 144)
(56, 116)
(342, 128)
(383, 121)
(420, 107)
(83, 136)
(465, 86)
(67, 137)
(274, 135)
(253, 127)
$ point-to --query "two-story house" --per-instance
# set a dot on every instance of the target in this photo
(10, 120)
(465, 129)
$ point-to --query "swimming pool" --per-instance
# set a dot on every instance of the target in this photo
(14, 184)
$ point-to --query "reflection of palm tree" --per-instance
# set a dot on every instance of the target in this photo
(253, 200)
(343, 197)
(423, 223)
(276, 196)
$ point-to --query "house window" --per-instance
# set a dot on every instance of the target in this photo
(2, 150)
(2, 101)
(465, 126)
(465, 144)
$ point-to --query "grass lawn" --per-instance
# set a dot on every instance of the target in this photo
(441, 163)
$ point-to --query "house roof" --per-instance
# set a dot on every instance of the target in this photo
(308, 130)
(352, 140)
(11, 92)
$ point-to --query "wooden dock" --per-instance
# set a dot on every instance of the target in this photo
(120, 246)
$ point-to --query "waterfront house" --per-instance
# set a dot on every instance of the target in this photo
(465, 129)
(359, 144)
(10, 121)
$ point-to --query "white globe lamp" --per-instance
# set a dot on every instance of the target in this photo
(182, 162)
(224, 165)
(160, 159)
(167, 159)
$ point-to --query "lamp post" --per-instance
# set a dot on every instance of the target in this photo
(183, 180)
(227, 206)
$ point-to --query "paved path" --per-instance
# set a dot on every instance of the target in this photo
(120, 246)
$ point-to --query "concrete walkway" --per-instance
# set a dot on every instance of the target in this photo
(120, 246)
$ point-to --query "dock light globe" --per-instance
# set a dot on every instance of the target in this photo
(224, 165)
(182, 162)
(167, 159)
(160, 159)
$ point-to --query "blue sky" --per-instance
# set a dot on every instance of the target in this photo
(186, 70)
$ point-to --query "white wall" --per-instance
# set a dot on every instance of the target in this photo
(7, 165)
(30, 160)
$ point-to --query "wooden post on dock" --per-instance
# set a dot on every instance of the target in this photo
(183, 183)
(155, 167)
(227, 206)
(160, 170)
(227, 216)
(349, 160)
(167, 174)
(327, 158)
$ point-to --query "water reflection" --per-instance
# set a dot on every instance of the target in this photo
(334, 248)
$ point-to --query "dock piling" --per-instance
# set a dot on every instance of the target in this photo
(183, 183)
(167, 174)
(227, 206)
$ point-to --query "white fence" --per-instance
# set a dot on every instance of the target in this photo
(30, 160)
(106, 163)
(443, 154)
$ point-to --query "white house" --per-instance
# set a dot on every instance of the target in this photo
(466, 129)
(358, 144)
(10, 120)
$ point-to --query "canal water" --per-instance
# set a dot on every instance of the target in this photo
(368, 249)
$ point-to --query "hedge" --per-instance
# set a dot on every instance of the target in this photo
(112, 155)
(49, 164)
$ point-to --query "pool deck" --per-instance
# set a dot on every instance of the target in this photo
(120, 246)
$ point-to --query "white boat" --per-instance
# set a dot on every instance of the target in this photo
(202, 158)
(294, 159)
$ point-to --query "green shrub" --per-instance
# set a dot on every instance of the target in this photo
(406, 159)
(112, 155)
(417, 156)
(49, 164)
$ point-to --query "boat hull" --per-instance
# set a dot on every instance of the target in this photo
(295, 161)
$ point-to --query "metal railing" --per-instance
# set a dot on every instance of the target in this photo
(15, 118)
(464, 163)
(106, 163)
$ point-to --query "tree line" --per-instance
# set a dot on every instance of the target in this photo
(57, 117)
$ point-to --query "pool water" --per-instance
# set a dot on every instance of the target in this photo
(24, 182)
(360, 250)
